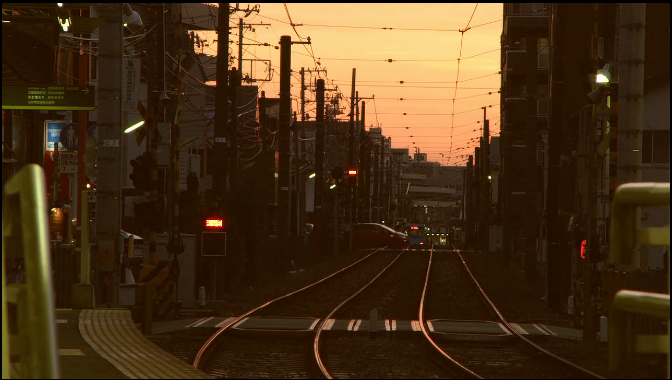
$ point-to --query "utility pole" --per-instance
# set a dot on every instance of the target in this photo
(631, 100)
(631, 91)
(351, 160)
(319, 162)
(284, 171)
(234, 84)
(284, 194)
(175, 244)
(220, 147)
(296, 230)
(109, 146)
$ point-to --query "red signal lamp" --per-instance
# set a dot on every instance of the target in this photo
(214, 223)
(414, 227)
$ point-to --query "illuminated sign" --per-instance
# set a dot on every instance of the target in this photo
(583, 249)
(62, 98)
(352, 172)
(214, 223)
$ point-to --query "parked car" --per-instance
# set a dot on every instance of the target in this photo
(374, 235)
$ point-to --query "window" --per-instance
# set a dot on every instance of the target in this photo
(542, 107)
(656, 147)
(543, 56)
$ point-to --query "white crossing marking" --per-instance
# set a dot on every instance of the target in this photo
(202, 321)
(519, 329)
(501, 326)
(394, 325)
(387, 325)
(241, 322)
(548, 329)
(415, 325)
(328, 324)
(352, 323)
(540, 329)
(225, 322)
(356, 327)
(70, 352)
(312, 326)
(431, 326)
(192, 324)
(61, 321)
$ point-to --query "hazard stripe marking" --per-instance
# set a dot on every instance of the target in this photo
(328, 324)
(240, 322)
(519, 329)
(202, 321)
(225, 322)
(540, 329)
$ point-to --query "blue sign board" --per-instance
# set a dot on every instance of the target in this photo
(53, 129)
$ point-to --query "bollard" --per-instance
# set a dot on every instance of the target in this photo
(373, 323)
(201, 297)
(604, 329)
(570, 305)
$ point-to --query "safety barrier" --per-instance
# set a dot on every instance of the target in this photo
(625, 236)
(29, 344)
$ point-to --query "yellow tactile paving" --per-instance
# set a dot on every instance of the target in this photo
(112, 333)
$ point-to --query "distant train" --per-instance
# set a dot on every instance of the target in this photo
(417, 233)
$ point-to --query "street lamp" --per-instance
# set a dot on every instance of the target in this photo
(134, 126)
(603, 75)
(603, 81)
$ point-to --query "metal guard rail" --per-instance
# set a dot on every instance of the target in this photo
(625, 236)
(25, 233)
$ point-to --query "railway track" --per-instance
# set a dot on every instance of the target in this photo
(242, 354)
(382, 286)
(510, 355)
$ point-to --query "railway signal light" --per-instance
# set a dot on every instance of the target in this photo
(141, 172)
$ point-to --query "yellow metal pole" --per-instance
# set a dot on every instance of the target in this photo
(85, 260)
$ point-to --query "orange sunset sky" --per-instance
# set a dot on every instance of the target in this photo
(424, 42)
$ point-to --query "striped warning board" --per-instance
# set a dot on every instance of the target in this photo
(163, 275)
